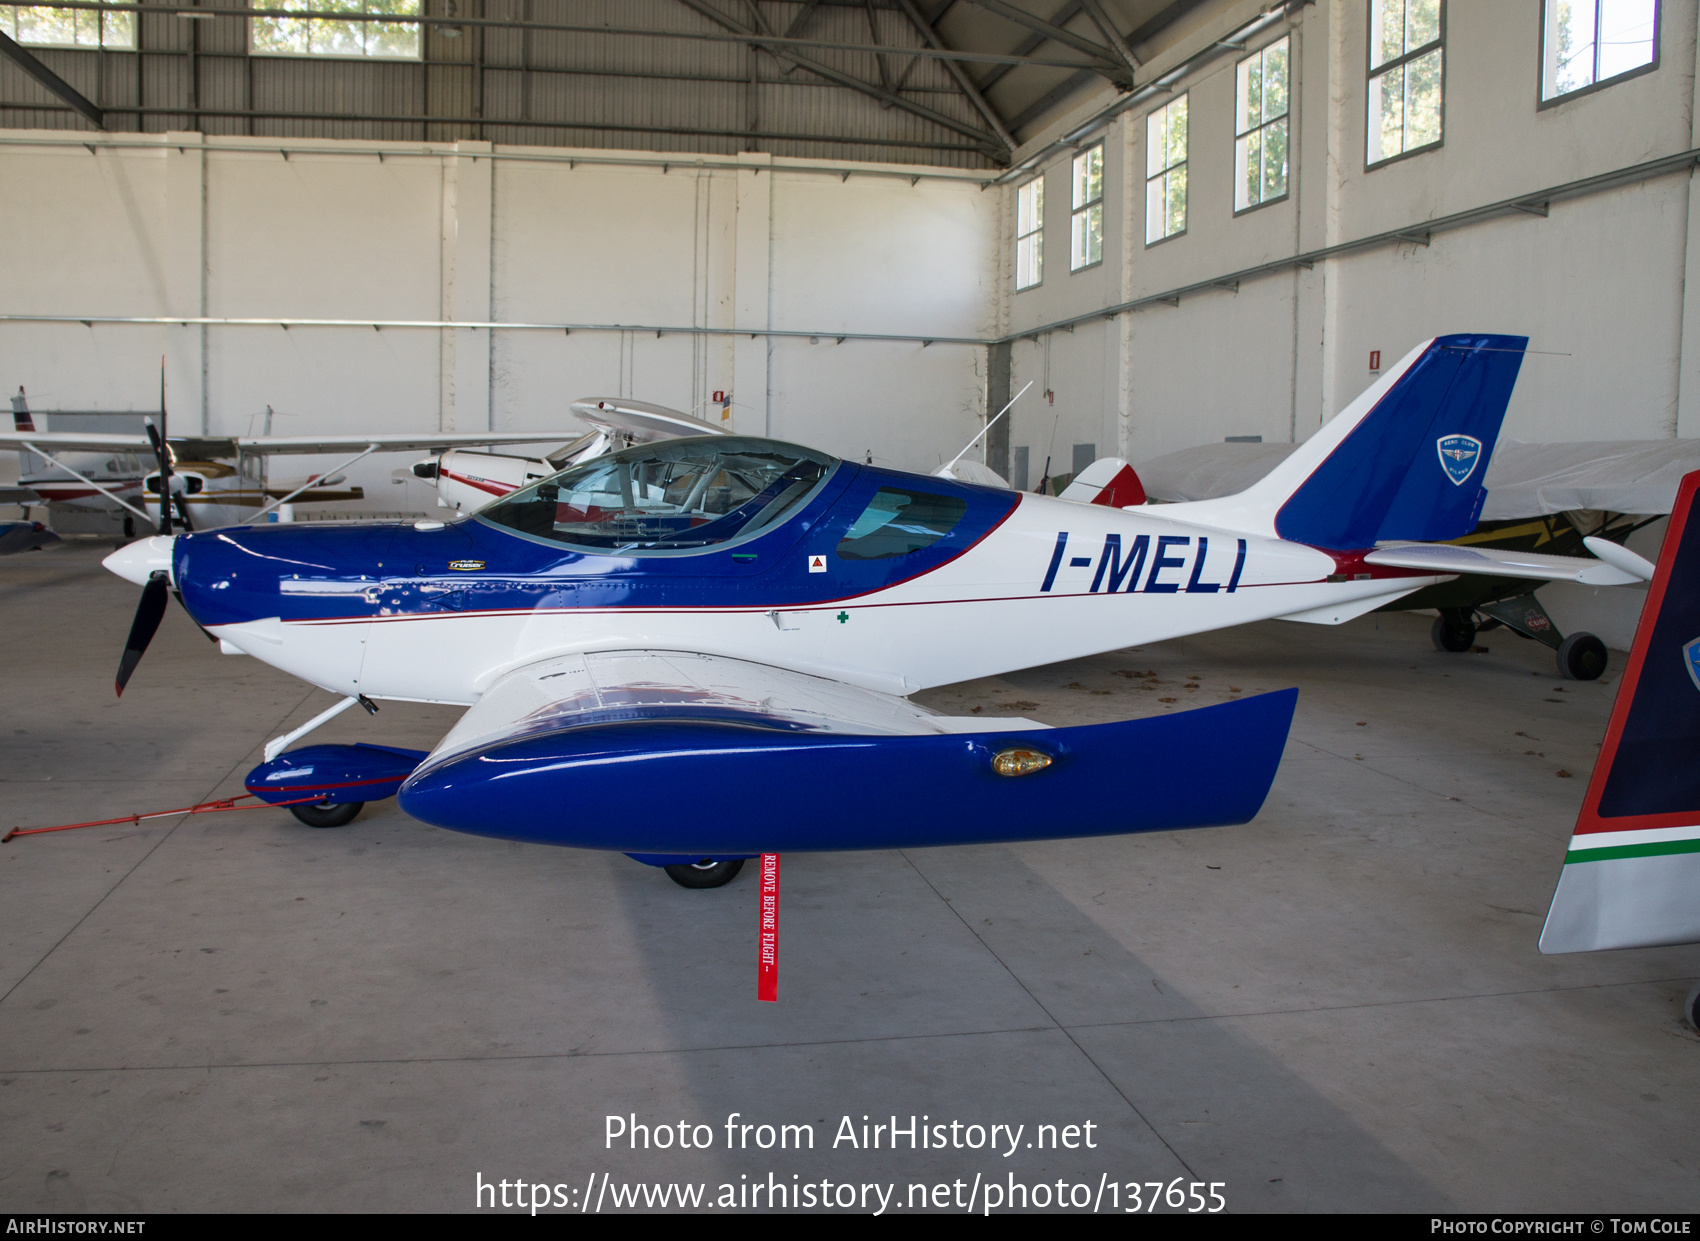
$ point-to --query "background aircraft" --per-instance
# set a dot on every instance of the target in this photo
(26, 535)
(741, 620)
(1631, 876)
(467, 480)
(214, 481)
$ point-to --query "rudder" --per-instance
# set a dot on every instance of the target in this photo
(1411, 465)
(1631, 876)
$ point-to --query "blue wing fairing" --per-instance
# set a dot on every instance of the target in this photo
(335, 774)
(479, 565)
(758, 790)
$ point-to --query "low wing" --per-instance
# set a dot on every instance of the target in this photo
(675, 754)
(622, 687)
(1496, 562)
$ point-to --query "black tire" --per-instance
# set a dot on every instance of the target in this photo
(1691, 1009)
(705, 874)
(1453, 634)
(1582, 657)
(338, 814)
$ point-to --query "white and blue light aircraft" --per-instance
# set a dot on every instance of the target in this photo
(740, 621)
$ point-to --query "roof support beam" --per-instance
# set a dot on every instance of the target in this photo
(52, 81)
(1030, 44)
(1107, 27)
(515, 122)
(755, 39)
(796, 27)
(925, 28)
(1107, 62)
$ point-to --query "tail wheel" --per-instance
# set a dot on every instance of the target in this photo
(1453, 631)
(1582, 657)
(705, 874)
(327, 814)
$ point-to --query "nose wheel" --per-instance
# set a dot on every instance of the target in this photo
(336, 814)
(705, 874)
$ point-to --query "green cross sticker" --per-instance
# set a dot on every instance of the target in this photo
(842, 617)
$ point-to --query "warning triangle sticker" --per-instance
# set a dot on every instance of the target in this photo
(817, 564)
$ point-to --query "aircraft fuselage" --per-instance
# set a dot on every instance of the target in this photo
(438, 613)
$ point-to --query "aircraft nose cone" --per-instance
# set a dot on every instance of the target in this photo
(137, 561)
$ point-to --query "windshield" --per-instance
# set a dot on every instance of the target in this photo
(675, 495)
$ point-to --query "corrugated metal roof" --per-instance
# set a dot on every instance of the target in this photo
(513, 82)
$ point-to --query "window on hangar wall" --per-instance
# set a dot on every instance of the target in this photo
(68, 27)
(1030, 233)
(1591, 43)
(1165, 171)
(1086, 230)
(298, 36)
(1406, 77)
(1260, 128)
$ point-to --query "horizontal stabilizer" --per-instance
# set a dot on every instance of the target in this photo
(1496, 562)
(1631, 876)
(1619, 555)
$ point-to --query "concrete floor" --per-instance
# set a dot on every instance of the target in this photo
(1339, 1006)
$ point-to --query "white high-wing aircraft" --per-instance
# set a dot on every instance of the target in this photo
(113, 472)
(467, 480)
(734, 624)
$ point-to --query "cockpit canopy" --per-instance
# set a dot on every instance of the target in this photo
(677, 495)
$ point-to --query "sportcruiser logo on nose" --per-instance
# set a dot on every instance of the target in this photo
(1691, 661)
(1458, 456)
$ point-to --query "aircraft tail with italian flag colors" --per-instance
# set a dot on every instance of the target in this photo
(1631, 878)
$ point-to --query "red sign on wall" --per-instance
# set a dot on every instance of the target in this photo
(1375, 359)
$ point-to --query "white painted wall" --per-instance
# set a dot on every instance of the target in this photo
(229, 228)
(1600, 285)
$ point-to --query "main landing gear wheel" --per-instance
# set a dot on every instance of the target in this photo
(705, 874)
(328, 814)
(1453, 631)
(1582, 657)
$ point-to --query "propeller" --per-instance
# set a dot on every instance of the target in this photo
(162, 455)
(149, 612)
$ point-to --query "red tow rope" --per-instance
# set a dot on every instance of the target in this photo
(206, 807)
(767, 964)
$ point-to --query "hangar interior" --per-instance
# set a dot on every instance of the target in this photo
(861, 226)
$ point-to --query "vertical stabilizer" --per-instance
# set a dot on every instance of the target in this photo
(1404, 461)
(23, 420)
(1631, 877)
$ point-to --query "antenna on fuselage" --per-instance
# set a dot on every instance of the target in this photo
(989, 424)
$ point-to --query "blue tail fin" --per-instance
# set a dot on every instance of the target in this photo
(1631, 876)
(1407, 458)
